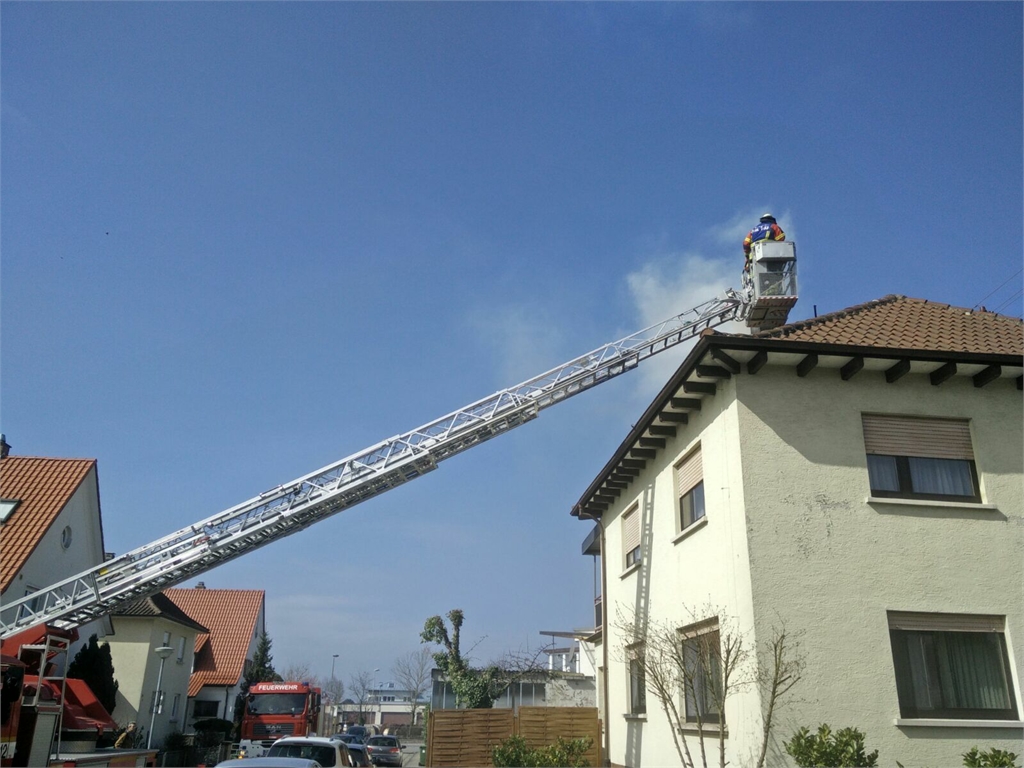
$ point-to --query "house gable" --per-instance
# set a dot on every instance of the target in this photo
(233, 618)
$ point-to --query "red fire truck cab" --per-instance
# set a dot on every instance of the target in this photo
(276, 710)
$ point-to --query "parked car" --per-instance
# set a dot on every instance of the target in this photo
(330, 753)
(269, 762)
(385, 750)
(362, 731)
(360, 758)
(349, 738)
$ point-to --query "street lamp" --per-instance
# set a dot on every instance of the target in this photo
(376, 684)
(163, 652)
(334, 689)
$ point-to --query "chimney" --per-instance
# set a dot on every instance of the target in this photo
(201, 585)
(5, 449)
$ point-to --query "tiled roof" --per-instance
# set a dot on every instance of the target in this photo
(230, 616)
(44, 487)
(158, 605)
(898, 322)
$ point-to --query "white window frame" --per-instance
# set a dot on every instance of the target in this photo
(181, 650)
(636, 680)
(688, 475)
(695, 637)
(631, 537)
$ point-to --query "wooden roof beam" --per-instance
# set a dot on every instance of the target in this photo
(852, 368)
(685, 403)
(898, 371)
(987, 375)
(757, 362)
(661, 430)
(942, 374)
(673, 416)
(806, 365)
(724, 359)
(698, 388)
(712, 372)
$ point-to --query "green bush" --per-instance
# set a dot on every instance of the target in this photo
(513, 752)
(174, 741)
(842, 749)
(994, 758)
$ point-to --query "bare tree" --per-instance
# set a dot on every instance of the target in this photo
(334, 689)
(693, 672)
(360, 685)
(780, 668)
(412, 672)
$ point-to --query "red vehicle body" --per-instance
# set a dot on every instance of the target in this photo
(13, 672)
(276, 710)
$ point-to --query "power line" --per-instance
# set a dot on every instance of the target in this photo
(999, 286)
(1010, 300)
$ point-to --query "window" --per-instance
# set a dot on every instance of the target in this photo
(702, 667)
(156, 705)
(920, 458)
(203, 709)
(32, 606)
(181, 649)
(7, 506)
(167, 639)
(631, 536)
(637, 682)
(174, 706)
(951, 666)
(690, 489)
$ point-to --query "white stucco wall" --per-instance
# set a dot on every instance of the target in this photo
(137, 669)
(789, 537)
(831, 564)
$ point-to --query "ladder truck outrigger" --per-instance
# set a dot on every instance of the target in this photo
(768, 294)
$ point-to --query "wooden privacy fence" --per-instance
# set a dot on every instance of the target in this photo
(464, 738)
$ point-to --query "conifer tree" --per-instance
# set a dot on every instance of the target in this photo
(94, 664)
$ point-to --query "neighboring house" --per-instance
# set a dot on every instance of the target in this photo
(386, 706)
(856, 478)
(565, 679)
(140, 628)
(50, 526)
(234, 618)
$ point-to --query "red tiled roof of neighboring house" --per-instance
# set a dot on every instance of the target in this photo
(44, 487)
(231, 616)
(899, 322)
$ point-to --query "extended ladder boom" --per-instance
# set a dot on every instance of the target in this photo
(293, 506)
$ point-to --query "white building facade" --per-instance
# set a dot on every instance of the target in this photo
(855, 479)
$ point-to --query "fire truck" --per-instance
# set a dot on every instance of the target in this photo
(275, 710)
(769, 292)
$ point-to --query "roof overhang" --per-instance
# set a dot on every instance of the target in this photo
(717, 357)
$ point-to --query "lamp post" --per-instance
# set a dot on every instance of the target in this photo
(334, 688)
(376, 685)
(163, 652)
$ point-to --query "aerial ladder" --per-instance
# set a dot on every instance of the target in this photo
(768, 294)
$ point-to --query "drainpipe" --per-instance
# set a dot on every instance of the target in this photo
(604, 642)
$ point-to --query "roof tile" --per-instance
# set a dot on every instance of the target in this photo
(899, 322)
(231, 616)
(44, 486)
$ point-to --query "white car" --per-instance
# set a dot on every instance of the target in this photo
(330, 753)
(269, 762)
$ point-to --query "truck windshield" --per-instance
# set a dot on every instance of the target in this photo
(277, 703)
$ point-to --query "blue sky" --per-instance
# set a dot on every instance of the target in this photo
(242, 241)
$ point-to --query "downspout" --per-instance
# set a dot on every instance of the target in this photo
(604, 644)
